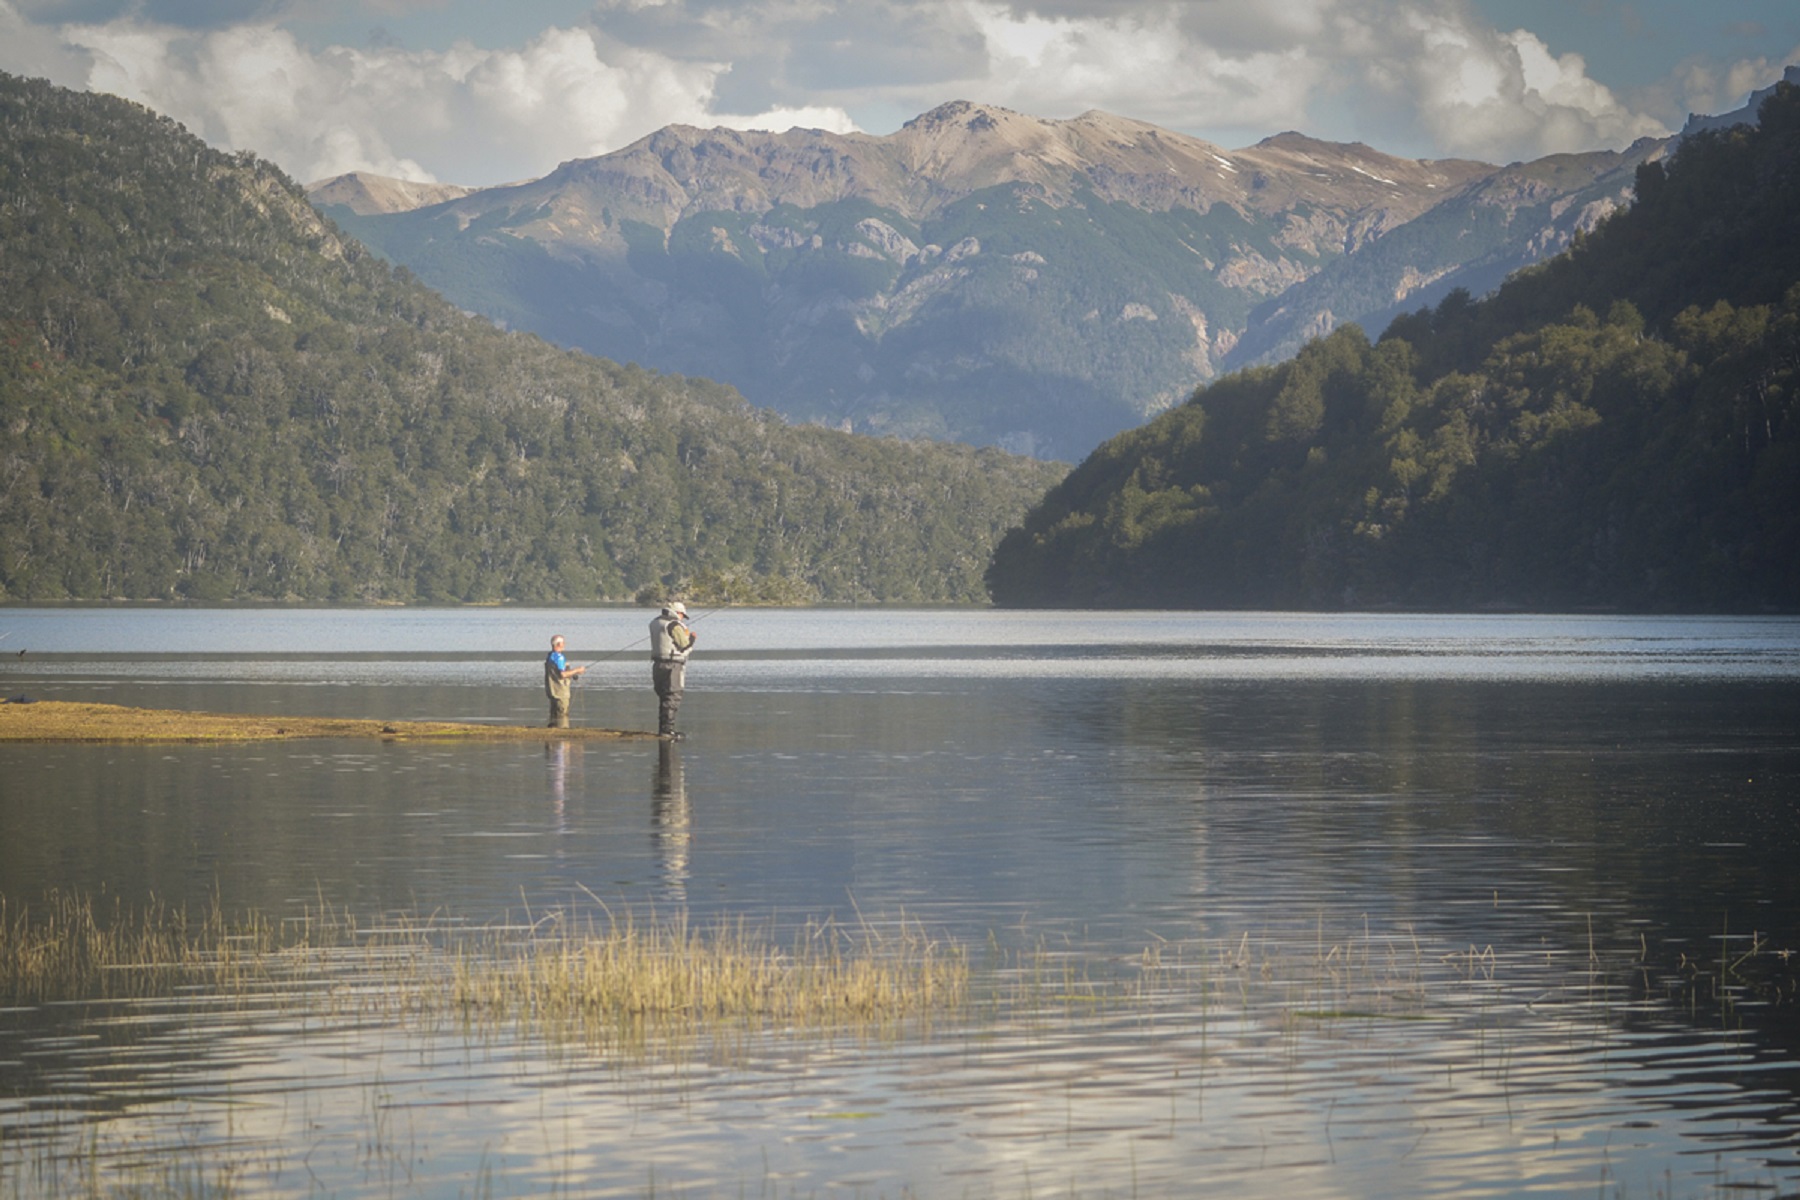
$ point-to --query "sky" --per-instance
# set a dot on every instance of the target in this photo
(481, 92)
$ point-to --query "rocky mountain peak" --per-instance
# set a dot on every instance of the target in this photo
(965, 113)
(842, 277)
(1309, 164)
(365, 193)
(964, 147)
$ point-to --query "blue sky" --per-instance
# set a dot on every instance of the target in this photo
(481, 92)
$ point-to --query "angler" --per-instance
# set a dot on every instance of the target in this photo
(671, 639)
(557, 674)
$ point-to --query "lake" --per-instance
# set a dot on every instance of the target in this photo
(1294, 905)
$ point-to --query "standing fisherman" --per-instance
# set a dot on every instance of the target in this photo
(670, 641)
(557, 673)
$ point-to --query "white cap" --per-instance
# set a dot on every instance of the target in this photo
(676, 607)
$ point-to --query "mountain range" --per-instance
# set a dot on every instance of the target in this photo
(1617, 427)
(208, 392)
(979, 275)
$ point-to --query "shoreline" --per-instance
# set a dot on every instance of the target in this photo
(72, 721)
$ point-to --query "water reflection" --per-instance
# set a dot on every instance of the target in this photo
(671, 823)
(558, 754)
(1379, 1067)
(1453, 907)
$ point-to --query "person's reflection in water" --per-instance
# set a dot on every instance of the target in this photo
(557, 754)
(671, 822)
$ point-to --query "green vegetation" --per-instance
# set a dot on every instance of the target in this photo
(1614, 428)
(208, 392)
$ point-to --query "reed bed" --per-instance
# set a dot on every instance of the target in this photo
(676, 978)
(69, 950)
(629, 980)
(556, 971)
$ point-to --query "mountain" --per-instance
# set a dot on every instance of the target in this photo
(365, 194)
(1472, 240)
(207, 391)
(1617, 427)
(979, 274)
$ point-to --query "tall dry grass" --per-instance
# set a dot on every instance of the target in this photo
(557, 970)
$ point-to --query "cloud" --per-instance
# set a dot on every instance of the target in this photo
(780, 120)
(1705, 87)
(1471, 90)
(465, 115)
(808, 53)
(210, 14)
(1423, 77)
(1428, 78)
(1147, 64)
(32, 49)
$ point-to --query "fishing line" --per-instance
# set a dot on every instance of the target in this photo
(829, 558)
(634, 645)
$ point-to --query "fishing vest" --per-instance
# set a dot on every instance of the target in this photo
(670, 640)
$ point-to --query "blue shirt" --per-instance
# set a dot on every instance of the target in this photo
(557, 660)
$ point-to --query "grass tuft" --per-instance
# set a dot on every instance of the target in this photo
(557, 973)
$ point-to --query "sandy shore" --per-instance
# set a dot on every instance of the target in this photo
(62, 721)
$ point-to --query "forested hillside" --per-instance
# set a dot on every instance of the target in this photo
(1614, 428)
(207, 391)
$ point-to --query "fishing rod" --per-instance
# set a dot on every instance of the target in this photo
(829, 558)
(634, 645)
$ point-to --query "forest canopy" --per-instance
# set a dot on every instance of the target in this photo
(1614, 428)
(208, 392)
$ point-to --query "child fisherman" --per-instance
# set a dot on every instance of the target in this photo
(557, 673)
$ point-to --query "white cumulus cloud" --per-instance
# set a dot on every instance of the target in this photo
(1705, 87)
(465, 115)
(1418, 76)
(1479, 92)
(1428, 78)
(1143, 63)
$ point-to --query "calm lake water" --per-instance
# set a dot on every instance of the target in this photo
(1371, 905)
